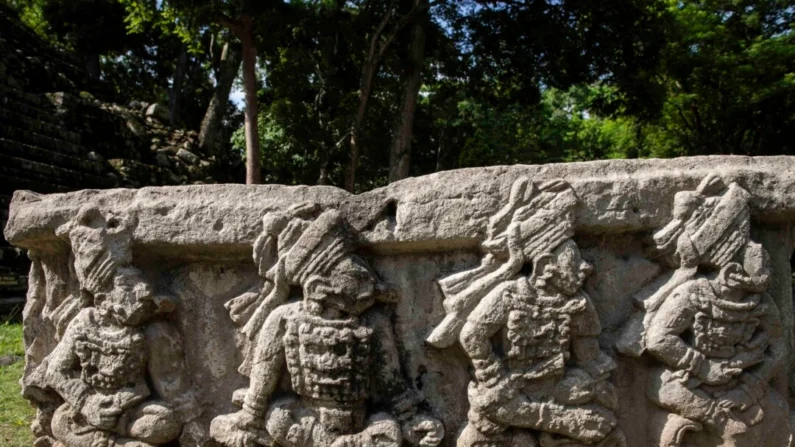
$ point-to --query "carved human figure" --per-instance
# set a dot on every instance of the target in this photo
(713, 328)
(532, 338)
(338, 348)
(117, 370)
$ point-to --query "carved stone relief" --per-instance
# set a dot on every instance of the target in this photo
(551, 377)
(713, 329)
(116, 376)
(336, 344)
(609, 304)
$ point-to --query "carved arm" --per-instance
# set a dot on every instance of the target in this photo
(63, 368)
(268, 362)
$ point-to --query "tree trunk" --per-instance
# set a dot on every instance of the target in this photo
(400, 151)
(365, 89)
(243, 29)
(253, 174)
(176, 84)
(91, 64)
(374, 55)
(210, 132)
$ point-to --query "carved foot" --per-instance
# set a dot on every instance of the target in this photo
(238, 430)
(471, 437)
(587, 424)
(669, 430)
(381, 431)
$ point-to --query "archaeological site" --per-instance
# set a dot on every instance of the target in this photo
(621, 303)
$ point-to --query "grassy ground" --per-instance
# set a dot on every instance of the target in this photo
(15, 412)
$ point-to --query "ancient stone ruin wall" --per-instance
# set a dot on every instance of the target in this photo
(61, 131)
(617, 303)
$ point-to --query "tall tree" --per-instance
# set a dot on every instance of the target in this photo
(237, 16)
(380, 42)
(400, 150)
(728, 74)
(226, 67)
(243, 28)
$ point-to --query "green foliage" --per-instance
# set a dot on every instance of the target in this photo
(31, 14)
(504, 81)
(15, 413)
(728, 72)
(146, 16)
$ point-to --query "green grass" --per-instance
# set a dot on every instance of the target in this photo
(15, 412)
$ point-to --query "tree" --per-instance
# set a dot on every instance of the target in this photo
(238, 17)
(400, 151)
(92, 28)
(380, 41)
(226, 67)
(728, 75)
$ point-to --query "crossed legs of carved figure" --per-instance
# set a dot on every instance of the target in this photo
(290, 423)
(587, 424)
(293, 424)
(147, 425)
(698, 416)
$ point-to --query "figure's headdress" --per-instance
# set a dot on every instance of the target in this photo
(544, 215)
(101, 242)
(292, 246)
(543, 218)
(710, 227)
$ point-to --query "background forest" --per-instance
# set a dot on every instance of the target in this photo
(360, 93)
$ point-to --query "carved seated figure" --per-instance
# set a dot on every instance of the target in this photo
(100, 369)
(338, 349)
(718, 377)
(552, 377)
(540, 377)
(714, 329)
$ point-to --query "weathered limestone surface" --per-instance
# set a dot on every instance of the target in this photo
(615, 303)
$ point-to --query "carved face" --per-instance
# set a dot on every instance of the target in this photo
(753, 274)
(350, 287)
(563, 270)
(130, 301)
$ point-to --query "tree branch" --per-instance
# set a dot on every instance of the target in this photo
(405, 20)
(236, 26)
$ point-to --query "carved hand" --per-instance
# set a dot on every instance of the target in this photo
(100, 411)
(516, 254)
(747, 358)
(424, 431)
(735, 399)
(488, 371)
(718, 372)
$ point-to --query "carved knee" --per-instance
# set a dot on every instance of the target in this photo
(154, 423)
(669, 429)
(70, 434)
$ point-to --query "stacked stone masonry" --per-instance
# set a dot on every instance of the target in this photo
(61, 131)
(610, 304)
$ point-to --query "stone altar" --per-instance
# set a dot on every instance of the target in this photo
(611, 303)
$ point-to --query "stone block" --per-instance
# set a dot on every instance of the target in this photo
(615, 303)
(188, 156)
(158, 112)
